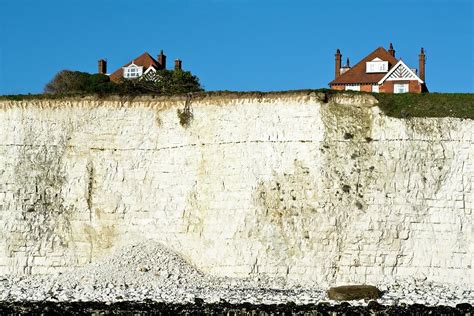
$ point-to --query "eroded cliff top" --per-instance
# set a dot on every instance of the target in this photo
(459, 105)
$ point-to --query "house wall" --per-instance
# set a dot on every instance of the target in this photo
(413, 86)
(366, 88)
(338, 87)
(387, 87)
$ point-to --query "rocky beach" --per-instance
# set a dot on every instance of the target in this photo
(147, 276)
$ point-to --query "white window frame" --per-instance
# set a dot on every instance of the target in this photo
(355, 87)
(132, 71)
(401, 88)
(375, 88)
(376, 66)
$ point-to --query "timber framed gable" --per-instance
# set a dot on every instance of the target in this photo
(400, 72)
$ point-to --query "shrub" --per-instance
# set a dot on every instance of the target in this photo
(69, 82)
(185, 116)
(163, 82)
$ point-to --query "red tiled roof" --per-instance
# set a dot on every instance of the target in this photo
(144, 60)
(357, 74)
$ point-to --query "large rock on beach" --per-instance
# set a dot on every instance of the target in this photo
(354, 292)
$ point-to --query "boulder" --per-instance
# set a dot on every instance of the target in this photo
(354, 292)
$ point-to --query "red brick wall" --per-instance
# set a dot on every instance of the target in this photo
(413, 86)
(337, 87)
(366, 88)
(386, 87)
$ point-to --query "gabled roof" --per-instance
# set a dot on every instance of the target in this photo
(399, 72)
(144, 60)
(358, 75)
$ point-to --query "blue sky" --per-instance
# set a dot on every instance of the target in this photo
(243, 45)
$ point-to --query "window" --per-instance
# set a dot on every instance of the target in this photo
(353, 88)
(376, 66)
(400, 88)
(132, 71)
(375, 88)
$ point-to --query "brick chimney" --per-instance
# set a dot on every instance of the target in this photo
(391, 51)
(338, 63)
(102, 67)
(421, 61)
(177, 64)
(162, 60)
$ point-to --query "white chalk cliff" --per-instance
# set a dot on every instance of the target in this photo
(289, 185)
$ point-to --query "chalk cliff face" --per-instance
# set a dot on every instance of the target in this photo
(287, 185)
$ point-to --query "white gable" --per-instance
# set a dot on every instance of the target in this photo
(400, 72)
(150, 69)
(132, 65)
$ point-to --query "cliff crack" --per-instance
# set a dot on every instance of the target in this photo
(233, 142)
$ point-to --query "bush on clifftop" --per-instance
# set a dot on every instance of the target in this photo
(164, 82)
(71, 82)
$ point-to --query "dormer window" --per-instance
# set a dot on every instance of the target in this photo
(376, 65)
(132, 71)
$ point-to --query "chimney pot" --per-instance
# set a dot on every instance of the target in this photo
(391, 51)
(177, 64)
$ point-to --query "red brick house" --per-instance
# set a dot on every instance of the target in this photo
(380, 71)
(138, 67)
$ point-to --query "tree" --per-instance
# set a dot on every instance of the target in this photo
(67, 82)
(184, 81)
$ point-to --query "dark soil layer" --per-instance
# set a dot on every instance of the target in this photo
(223, 308)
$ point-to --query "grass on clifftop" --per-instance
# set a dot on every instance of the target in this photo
(460, 105)
(404, 105)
